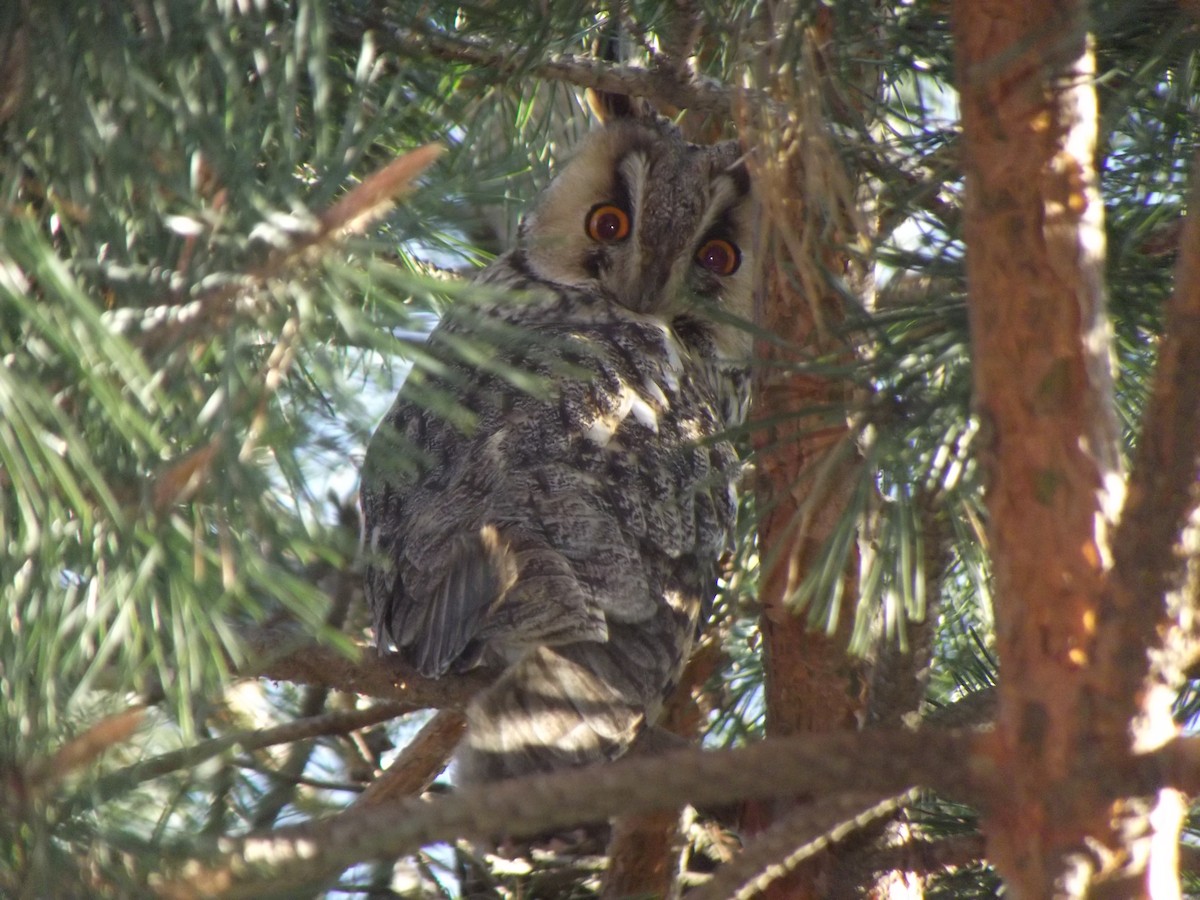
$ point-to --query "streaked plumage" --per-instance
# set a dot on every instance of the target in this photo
(558, 504)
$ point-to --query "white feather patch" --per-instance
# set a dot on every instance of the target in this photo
(645, 414)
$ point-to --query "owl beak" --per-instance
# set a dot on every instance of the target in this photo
(647, 287)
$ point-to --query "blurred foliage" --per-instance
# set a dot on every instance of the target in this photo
(172, 419)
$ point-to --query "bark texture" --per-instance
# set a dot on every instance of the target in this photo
(806, 456)
(1068, 715)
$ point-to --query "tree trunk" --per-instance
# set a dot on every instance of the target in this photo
(1034, 229)
(805, 460)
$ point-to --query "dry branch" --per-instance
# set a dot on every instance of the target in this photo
(299, 729)
(667, 84)
(292, 243)
(880, 763)
(83, 750)
(418, 763)
(803, 833)
(284, 653)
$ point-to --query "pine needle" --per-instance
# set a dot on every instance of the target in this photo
(88, 747)
(376, 193)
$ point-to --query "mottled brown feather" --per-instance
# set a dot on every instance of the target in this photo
(570, 530)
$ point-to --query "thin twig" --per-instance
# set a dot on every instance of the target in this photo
(283, 775)
(189, 757)
(666, 85)
(806, 831)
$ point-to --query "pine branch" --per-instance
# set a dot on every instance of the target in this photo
(806, 459)
(294, 241)
(880, 763)
(644, 850)
(668, 84)
(643, 855)
(975, 709)
(803, 833)
(900, 675)
(285, 653)
(255, 739)
(905, 185)
(342, 593)
(418, 763)
(1146, 605)
(679, 40)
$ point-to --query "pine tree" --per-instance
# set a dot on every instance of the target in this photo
(226, 228)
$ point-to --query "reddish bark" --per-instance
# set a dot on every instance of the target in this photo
(418, 764)
(812, 685)
(1070, 715)
(803, 465)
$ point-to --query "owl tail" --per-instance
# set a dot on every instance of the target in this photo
(568, 705)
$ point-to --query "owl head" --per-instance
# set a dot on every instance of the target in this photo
(648, 220)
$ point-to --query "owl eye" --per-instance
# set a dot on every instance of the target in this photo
(719, 256)
(607, 224)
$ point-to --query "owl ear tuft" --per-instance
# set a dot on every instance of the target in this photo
(608, 106)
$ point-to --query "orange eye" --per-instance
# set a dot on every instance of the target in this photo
(607, 223)
(719, 256)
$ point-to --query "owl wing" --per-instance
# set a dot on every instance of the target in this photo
(541, 522)
(458, 559)
(432, 571)
(436, 631)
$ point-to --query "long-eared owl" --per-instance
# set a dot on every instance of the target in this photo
(554, 486)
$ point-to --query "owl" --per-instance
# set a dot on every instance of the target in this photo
(554, 486)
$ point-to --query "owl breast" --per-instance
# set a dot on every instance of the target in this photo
(612, 461)
(572, 529)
